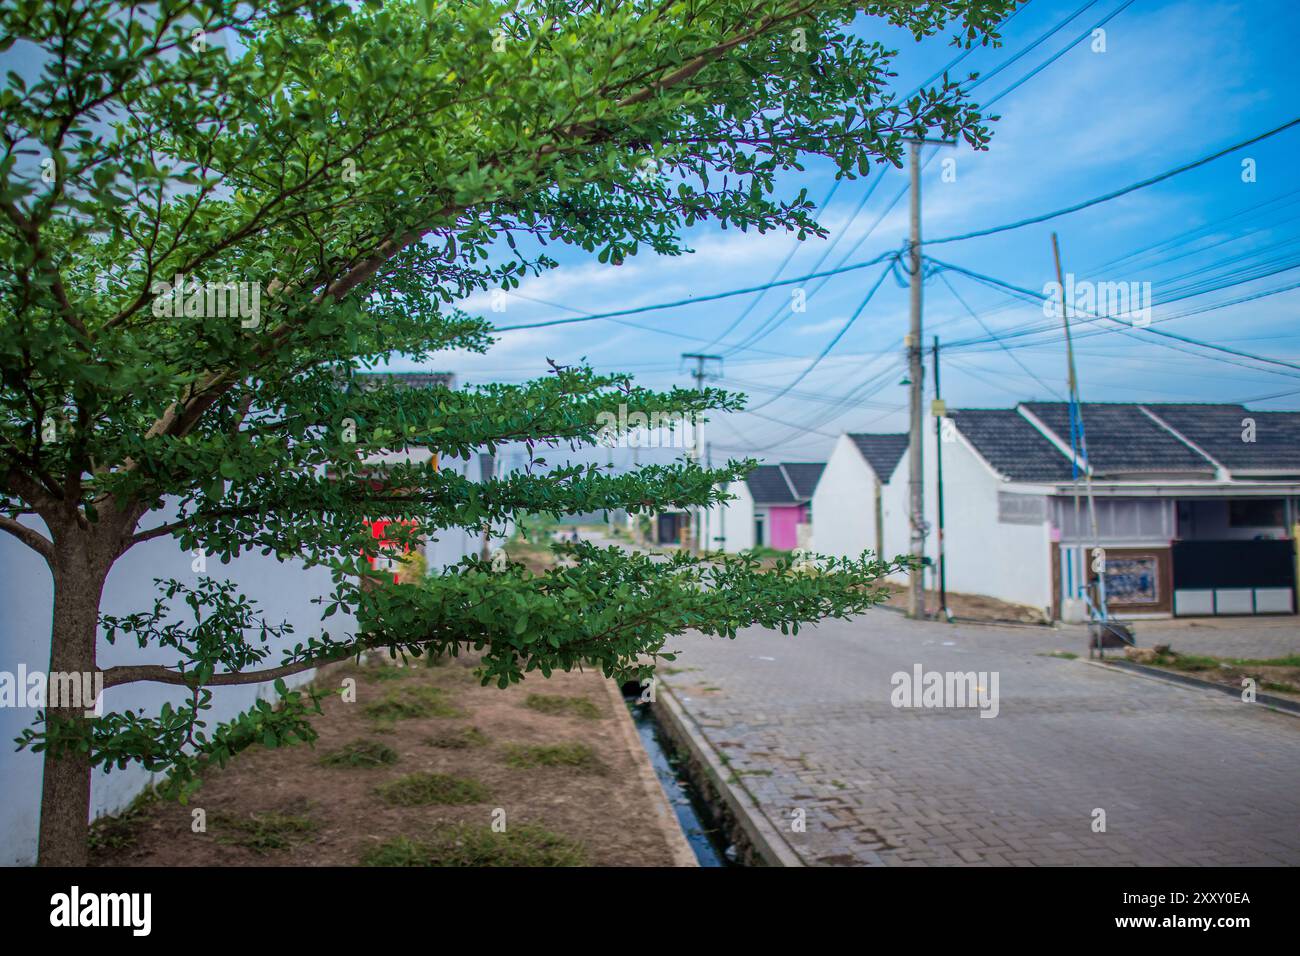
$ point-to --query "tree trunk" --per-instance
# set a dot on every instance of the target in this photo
(65, 789)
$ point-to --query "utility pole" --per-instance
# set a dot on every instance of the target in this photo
(697, 519)
(916, 374)
(1078, 440)
(705, 529)
(940, 411)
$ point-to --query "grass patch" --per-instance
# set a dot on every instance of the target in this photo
(376, 672)
(1292, 661)
(410, 703)
(1063, 655)
(422, 789)
(557, 705)
(121, 830)
(463, 739)
(1276, 674)
(1186, 662)
(262, 832)
(360, 753)
(470, 845)
(574, 755)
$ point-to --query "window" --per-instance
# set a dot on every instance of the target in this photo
(758, 531)
(1255, 513)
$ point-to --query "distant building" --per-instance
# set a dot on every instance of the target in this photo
(1195, 506)
(772, 508)
(858, 462)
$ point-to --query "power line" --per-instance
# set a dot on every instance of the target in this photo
(696, 299)
(779, 316)
(944, 279)
(781, 268)
(1151, 181)
(1033, 46)
(767, 326)
(833, 342)
(638, 325)
(1093, 317)
(1061, 52)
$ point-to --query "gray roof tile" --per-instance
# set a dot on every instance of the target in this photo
(789, 483)
(767, 486)
(804, 475)
(1122, 440)
(1218, 430)
(882, 451)
(1011, 444)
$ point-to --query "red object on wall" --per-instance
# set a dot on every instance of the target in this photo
(379, 530)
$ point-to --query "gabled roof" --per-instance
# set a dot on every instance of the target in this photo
(804, 476)
(790, 483)
(767, 486)
(1123, 440)
(1011, 444)
(1220, 431)
(1128, 440)
(882, 452)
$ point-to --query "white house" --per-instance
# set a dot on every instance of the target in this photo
(1194, 507)
(850, 495)
(772, 507)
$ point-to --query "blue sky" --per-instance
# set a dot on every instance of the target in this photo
(1178, 80)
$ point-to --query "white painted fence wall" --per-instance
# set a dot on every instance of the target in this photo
(283, 591)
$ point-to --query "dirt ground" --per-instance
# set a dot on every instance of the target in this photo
(286, 807)
(974, 607)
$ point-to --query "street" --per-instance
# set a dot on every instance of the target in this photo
(1185, 776)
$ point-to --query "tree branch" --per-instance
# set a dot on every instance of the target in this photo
(160, 674)
(30, 537)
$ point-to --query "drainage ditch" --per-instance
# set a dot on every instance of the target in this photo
(704, 834)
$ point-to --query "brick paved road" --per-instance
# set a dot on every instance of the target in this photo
(1186, 776)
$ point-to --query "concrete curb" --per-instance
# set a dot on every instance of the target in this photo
(1276, 704)
(766, 840)
(665, 818)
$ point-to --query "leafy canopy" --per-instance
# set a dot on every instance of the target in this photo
(328, 182)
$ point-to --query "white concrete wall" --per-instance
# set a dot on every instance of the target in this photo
(446, 546)
(894, 509)
(1011, 562)
(733, 521)
(844, 504)
(283, 591)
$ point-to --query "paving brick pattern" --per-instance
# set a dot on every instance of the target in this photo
(1185, 776)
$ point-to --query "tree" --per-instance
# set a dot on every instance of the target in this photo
(324, 184)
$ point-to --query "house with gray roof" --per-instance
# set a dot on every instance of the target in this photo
(1193, 507)
(772, 507)
(851, 493)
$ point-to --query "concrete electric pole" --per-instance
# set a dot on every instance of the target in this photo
(916, 397)
(916, 375)
(697, 519)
